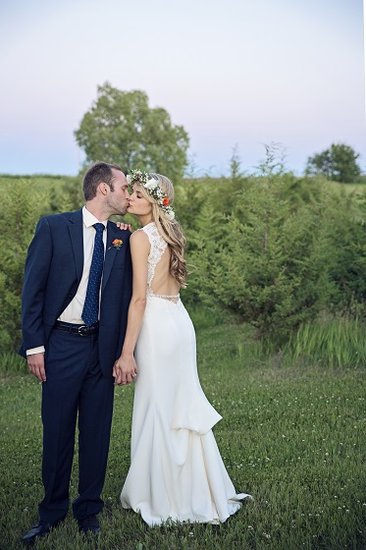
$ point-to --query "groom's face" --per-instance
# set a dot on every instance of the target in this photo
(117, 199)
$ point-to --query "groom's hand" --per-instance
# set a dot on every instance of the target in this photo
(36, 366)
(124, 370)
(117, 375)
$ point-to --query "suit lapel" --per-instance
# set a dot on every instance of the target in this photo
(110, 253)
(76, 234)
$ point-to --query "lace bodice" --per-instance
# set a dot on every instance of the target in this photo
(157, 249)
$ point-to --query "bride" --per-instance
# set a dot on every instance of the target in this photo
(176, 470)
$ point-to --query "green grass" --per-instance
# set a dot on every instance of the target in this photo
(331, 342)
(292, 437)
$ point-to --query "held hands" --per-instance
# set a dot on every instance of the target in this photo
(125, 370)
(36, 366)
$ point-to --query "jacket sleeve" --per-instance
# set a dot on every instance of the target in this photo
(35, 283)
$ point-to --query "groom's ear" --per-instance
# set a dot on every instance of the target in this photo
(103, 188)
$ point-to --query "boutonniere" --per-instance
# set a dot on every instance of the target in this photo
(116, 243)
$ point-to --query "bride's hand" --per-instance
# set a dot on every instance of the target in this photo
(124, 370)
(124, 226)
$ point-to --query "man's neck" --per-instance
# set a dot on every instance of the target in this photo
(98, 210)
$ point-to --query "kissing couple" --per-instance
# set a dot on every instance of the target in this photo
(100, 307)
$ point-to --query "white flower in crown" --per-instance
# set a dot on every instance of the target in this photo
(170, 213)
(151, 184)
(137, 176)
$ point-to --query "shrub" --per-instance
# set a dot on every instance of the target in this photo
(23, 202)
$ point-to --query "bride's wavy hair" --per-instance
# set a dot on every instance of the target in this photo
(169, 229)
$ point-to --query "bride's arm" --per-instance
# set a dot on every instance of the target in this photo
(125, 369)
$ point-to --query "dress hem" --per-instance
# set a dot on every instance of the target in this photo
(234, 502)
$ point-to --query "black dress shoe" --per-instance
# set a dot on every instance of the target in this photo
(38, 531)
(90, 524)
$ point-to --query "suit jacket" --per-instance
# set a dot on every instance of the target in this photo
(53, 271)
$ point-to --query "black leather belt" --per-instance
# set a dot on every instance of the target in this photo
(81, 330)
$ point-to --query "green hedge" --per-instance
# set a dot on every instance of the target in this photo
(273, 251)
(23, 201)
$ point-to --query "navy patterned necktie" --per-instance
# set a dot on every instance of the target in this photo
(91, 304)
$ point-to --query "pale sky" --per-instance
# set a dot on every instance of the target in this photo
(243, 72)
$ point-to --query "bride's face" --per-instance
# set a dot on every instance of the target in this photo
(138, 204)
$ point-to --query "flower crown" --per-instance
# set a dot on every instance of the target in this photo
(153, 188)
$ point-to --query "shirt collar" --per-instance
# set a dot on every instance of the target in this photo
(89, 219)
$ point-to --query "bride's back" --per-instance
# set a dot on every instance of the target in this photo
(159, 279)
(163, 282)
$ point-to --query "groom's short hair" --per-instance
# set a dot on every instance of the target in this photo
(96, 174)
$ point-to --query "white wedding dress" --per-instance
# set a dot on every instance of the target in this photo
(176, 470)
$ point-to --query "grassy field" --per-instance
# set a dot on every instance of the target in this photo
(291, 436)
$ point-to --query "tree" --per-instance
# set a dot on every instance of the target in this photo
(121, 128)
(337, 163)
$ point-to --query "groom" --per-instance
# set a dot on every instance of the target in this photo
(77, 287)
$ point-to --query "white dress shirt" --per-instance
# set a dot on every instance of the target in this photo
(72, 313)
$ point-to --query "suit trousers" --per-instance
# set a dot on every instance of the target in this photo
(75, 387)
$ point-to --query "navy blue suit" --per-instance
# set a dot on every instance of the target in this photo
(78, 368)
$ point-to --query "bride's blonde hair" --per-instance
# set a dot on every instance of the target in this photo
(167, 226)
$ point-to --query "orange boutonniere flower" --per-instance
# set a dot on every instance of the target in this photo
(117, 243)
(166, 201)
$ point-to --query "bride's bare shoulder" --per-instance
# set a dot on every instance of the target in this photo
(139, 238)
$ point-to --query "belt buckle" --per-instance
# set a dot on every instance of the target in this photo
(81, 330)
